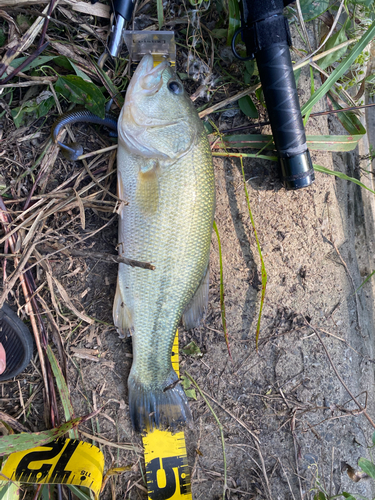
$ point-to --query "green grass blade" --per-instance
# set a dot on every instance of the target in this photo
(222, 305)
(367, 466)
(366, 280)
(263, 267)
(348, 119)
(324, 170)
(110, 86)
(312, 90)
(337, 143)
(245, 155)
(21, 442)
(9, 490)
(63, 391)
(78, 492)
(234, 19)
(341, 69)
(159, 4)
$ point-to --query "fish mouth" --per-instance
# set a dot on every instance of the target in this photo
(150, 77)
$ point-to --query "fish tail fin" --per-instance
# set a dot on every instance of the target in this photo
(160, 407)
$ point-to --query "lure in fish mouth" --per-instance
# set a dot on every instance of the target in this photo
(166, 176)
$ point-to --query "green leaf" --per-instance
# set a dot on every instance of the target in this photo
(313, 8)
(186, 383)
(312, 90)
(314, 142)
(192, 350)
(341, 68)
(79, 493)
(249, 71)
(324, 170)
(367, 467)
(333, 142)
(79, 91)
(112, 89)
(2, 37)
(208, 127)
(21, 442)
(334, 40)
(373, 438)
(190, 393)
(250, 66)
(348, 119)
(66, 63)
(9, 490)
(234, 19)
(320, 496)
(297, 74)
(38, 61)
(348, 496)
(247, 107)
(63, 391)
(35, 108)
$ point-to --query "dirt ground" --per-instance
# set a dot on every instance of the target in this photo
(289, 423)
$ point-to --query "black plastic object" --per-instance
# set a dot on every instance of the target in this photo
(73, 151)
(17, 342)
(123, 11)
(265, 32)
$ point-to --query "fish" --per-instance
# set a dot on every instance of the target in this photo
(166, 181)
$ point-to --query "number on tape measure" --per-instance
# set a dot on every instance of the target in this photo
(167, 471)
(64, 461)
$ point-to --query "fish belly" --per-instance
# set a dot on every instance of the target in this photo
(168, 225)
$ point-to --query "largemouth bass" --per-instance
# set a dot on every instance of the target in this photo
(165, 174)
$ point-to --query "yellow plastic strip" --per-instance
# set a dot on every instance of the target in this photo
(167, 470)
(64, 461)
(175, 356)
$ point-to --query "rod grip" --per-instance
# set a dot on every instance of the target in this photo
(280, 93)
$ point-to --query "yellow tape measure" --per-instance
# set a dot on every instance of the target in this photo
(167, 470)
(64, 461)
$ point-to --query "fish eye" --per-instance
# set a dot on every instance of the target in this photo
(175, 87)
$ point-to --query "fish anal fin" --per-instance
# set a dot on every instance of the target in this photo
(147, 194)
(196, 308)
(121, 315)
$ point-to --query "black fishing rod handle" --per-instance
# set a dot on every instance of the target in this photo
(280, 93)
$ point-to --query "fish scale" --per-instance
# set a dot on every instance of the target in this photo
(166, 176)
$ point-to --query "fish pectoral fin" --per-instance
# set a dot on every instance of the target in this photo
(147, 194)
(198, 304)
(121, 315)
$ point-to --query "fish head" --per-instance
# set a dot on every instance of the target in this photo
(158, 119)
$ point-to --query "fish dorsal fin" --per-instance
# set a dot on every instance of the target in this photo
(147, 194)
(121, 315)
(198, 304)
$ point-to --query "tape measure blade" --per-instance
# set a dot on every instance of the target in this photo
(167, 470)
(63, 461)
